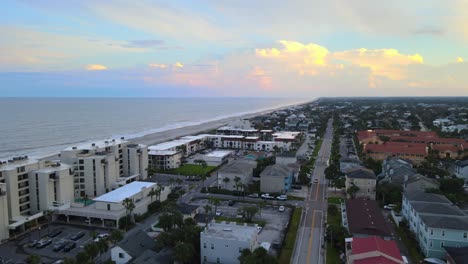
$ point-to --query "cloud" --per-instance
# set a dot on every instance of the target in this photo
(428, 31)
(95, 67)
(460, 59)
(156, 65)
(146, 43)
(178, 65)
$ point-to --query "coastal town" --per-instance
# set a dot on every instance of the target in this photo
(335, 180)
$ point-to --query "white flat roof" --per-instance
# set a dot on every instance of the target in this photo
(97, 144)
(167, 145)
(118, 195)
(219, 153)
(15, 164)
(231, 231)
(232, 136)
(162, 152)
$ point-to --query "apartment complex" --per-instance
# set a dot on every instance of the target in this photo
(276, 179)
(29, 187)
(364, 179)
(105, 165)
(411, 145)
(223, 242)
(435, 221)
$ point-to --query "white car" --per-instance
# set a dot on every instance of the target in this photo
(282, 197)
(281, 208)
(101, 236)
(219, 212)
(259, 229)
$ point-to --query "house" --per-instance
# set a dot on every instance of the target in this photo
(461, 169)
(223, 242)
(187, 210)
(435, 222)
(363, 218)
(238, 168)
(456, 255)
(373, 249)
(132, 247)
(276, 179)
(364, 179)
(347, 163)
(396, 171)
(286, 157)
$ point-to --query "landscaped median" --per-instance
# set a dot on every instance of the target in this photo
(290, 239)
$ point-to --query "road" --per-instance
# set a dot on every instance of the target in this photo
(309, 242)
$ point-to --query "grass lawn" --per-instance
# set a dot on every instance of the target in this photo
(410, 244)
(333, 255)
(334, 219)
(335, 200)
(191, 169)
(290, 239)
(292, 197)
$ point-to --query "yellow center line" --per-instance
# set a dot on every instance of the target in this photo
(311, 241)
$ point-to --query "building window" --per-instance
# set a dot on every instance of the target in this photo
(121, 255)
(443, 232)
(212, 246)
(204, 246)
(430, 244)
(441, 244)
(432, 232)
(217, 260)
(204, 258)
(464, 235)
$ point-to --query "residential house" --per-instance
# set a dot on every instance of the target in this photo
(461, 169)
(237, 168)
(373, 249)
(223, 242)
(364, 179)
(396, 171)
(363, 218)
(276, 179)
(132, 247)
(347, 163)
(187, 210)
(435, 222)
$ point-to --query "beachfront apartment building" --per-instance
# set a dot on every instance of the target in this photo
(105, 165)
(4, 216)
(32, 187)
(435, 222)
(164, 159)
(223, 242)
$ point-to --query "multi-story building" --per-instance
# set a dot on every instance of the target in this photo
(228, 173)
(4, 216)
(276, 179)
(396, 171)
(364, 179)
(32, 187)
(105, 165)
(461, 169)
(164, 159)
(223, 242)
(435, 221)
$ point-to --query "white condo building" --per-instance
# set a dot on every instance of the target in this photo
(223, 242)
(31, 187)
(105, 165)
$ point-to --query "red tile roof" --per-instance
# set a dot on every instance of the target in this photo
(373, 243)
(445, 147)
(424, 134)
(397, 147)
(375, 260)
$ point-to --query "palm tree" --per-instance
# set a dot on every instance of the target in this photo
(129, 206)
(207, 211)
(184, 252)
(102, 246)
(69, 261)
(115, 236)
(216, 202)
(237, 180)
(33, 259)
(48, 214)
(158, 192)
(151, 194)
(91, 250)
(226, 180)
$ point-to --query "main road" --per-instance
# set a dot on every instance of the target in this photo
(309, 242)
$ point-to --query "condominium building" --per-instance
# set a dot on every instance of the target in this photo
(223, 242)
(4, 233)
(164, 159)
(435, 222)
(105, 165)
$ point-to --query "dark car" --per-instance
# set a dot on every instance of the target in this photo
(297, 187)
(69, 246)
(59, 245)
(231, 203)
(55, 232)
(77, 235)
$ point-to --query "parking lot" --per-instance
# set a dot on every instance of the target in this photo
(17, 251)
(276, 221)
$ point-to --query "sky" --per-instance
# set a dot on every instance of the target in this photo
(261, 48)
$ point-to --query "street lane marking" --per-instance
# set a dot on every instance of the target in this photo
(311, 241)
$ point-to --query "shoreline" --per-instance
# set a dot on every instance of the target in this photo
(171, 134)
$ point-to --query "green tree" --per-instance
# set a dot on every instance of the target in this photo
(352, 190)
(184, 252)
(207, 209)
(91, 250)
(82, 257)
(258, 256)
(152, 193)
(69, 261)
(93, 234)
(115, 236)
(33, 259)
(215, 202)
(129, 207)
(226, 181)
(102, 246)
(248, 212)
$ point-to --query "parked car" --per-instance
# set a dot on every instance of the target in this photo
(282, 197)
(267, 196)
(281, 208)
(55, 232)
(59, 245)
(44, 243)
(187, 178)
(69, 246)
(77, 236)
(101, 236)
(390, 206)
(254, 195)
(297, 187)
(219, 212)
(259, 229)
(231, 202)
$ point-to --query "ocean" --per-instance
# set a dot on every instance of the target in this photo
(42, 126)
